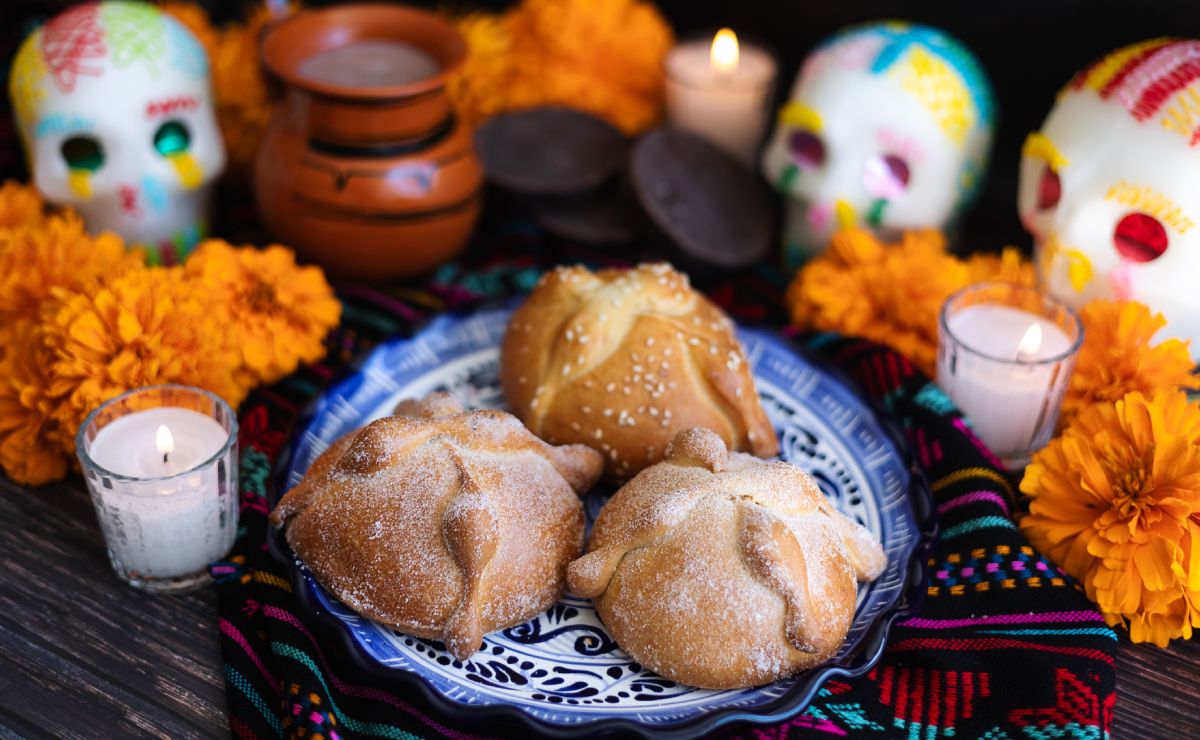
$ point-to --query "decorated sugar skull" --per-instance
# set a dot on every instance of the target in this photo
(1110, 185)
(888, 125)
(114, 106)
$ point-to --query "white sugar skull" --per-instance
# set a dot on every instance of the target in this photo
(1110, 185)
(114, 106)
(888, 126)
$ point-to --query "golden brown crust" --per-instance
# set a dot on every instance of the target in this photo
(442, 523)
(720, 570)
(621, 360)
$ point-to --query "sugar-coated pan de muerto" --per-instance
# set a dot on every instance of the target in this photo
(442, 523)
(621, 360)
(720, 570)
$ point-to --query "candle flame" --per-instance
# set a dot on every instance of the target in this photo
(164, 441)
(724, 53)
(1031, 342)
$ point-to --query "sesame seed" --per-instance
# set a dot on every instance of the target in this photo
(694, 342)
(653, 411)
(584, 339)
(575, 426)
(522, 380)
(637, 368)
(626, 390)
(598, 434)
(570, 335)
(608, 412)
(635, 357)
(586, 409)
(666, 351)
(649, 341)
(610, 387)
(566, 369)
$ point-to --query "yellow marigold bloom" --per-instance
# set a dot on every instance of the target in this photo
(31, 449)
(276, 312)
(1010, 266)
(1116, 502)
(1117, 356)
(601, 56)
(58, 253)
(146, 327)
(20, 205)
(889, 293)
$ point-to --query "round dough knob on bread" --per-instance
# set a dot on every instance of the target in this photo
(719, 570)
(442, 523)
(621, 360)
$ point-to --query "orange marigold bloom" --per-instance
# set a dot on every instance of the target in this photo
(20, 205)
(146, 327)
(31, 449)
(601, 56)
(1117, 356)
(1116, 502)
(58, 253)
(276, 312)
(1010, 266)
(889, 293)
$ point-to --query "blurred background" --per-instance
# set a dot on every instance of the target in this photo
(1029, 48)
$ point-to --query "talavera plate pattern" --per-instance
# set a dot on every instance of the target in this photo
(562, 672)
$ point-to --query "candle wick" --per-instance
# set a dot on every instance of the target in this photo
(165, 455)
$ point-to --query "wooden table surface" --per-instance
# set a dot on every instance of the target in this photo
(82, 655)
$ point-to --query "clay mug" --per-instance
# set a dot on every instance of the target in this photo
(364, 168)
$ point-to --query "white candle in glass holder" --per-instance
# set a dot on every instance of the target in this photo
(1003, 382)
(164, 482)
(721, 91)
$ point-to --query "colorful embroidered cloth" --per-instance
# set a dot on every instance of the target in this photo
(1005, 645)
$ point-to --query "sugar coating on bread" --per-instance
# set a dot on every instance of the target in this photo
(720, 570)
(442, 523)
(621, 360)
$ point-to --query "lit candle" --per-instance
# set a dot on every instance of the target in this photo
(1005, 355)
(721, 90)
(161, 466)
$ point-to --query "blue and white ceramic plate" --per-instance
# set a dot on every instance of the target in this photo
(562, 672)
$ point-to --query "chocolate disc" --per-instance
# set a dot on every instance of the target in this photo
(711, 209)
(608, 216)
(549, 151)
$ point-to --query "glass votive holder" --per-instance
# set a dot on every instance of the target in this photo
(161, 465)
(1005, 355)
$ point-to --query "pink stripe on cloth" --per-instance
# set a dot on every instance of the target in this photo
(971, 498)
(945, 624)
(233, 634)
(363, 692)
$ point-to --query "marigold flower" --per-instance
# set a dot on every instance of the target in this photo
(146, 327)
(889, 293)
(1116, 502)
(1010, 266)
(20, 205)
(57, 253)
(601, 56)
(276, 313)
(31, 449)
(1117, 356)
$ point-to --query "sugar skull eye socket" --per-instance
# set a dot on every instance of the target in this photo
(83, 153)
(886, 176)
(172, 138)
(807, 149)
(1140, 237)
(1049, 189)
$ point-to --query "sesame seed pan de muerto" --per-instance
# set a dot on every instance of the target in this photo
(720, 570)
(442, 523)
(621, 360)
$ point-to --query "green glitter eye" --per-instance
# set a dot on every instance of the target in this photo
(83, 153)
(171, 138)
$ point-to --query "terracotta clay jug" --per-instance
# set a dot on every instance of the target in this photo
(370, 182)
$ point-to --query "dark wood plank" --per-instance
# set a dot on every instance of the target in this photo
(83, 655)
(80, 651)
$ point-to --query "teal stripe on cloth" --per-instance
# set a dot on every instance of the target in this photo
(233, 678)
(1102, 631)
(972, 525)
(350, 723)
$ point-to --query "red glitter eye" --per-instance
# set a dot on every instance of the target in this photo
(1049, 189)
(1140, 237)
(807, 149)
